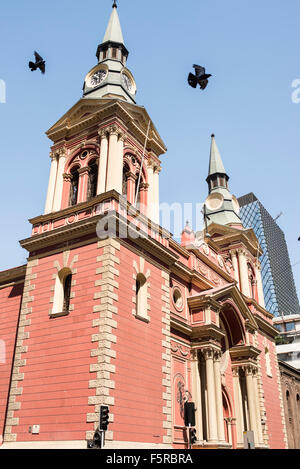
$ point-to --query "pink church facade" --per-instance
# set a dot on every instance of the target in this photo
(134, 320)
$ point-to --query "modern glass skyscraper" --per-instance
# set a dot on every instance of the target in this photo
(277, 276)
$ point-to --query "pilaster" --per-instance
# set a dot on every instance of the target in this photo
(104, 338)
(20, 354)
(102, 167)
(166, 358)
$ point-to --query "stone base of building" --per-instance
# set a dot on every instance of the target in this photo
(82, 444)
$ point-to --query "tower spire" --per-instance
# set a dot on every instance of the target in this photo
(110, 78)
(113, 31)
(221, 206)
(215, 161)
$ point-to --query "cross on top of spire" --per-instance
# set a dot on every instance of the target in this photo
(115, 4)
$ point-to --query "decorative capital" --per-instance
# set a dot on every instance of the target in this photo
(217, 355)
(102, 133)
(84, 170)
(122, 136)
(144, 186)
(67, 177)
(62, 152)
(113, 130)
(208, 353)
(249, 369)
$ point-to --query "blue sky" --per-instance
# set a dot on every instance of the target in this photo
(252, 50)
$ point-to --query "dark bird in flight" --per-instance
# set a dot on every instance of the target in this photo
(200, 77)
(39, 63)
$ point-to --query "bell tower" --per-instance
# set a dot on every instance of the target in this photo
(106, 142)
(110, 77)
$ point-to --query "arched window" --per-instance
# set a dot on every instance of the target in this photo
(93, 178)
(137, 182)
(141, 296)
(62, 293)
(252, 283)
(67, 293)
(125, 182)
(268, 362)
(74, 186)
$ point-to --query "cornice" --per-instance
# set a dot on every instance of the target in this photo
(191, 276)
(211, 264)
(230, 236)
(180, 326)
(102, 198)
(265, 326)
(100, 109)
(203, 301)
(259, 307)
(12, 275)
(88, 226)
(244, 352)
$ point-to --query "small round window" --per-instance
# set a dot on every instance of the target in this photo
(177, 299)
(84, 154)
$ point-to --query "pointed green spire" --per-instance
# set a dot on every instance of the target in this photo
(221, 206)
(215, 163)
(113, 31)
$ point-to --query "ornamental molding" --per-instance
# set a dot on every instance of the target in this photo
(182, 350)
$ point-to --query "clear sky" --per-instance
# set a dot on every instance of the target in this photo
(251, 48)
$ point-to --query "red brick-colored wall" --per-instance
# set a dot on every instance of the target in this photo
(272, 398)
(138, 391)
(10, 301)
(55, 386)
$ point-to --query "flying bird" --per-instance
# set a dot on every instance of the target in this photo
(39, 63)
(200, 77)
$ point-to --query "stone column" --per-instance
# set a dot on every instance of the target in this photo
(115, 162)
(66, 190)
(83, 184)
(155, 215)
(257, 405)
(260, 292)
(235, 267)
(240, 426)
(102, 167)
(244, 286)
(131, 179)
(59, 182)
(196, 383)
(219, 400)
(211, 395)
(150, 190)
(143, 200)
(119, 168)
(251, 402)
(51, 185)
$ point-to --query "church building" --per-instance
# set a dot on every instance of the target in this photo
(111, 310)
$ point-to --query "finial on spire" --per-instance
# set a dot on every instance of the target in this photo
(115, 4)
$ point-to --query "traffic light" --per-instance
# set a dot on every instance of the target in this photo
(189, 414)
(104, 416)
(97, 439)
(193, 436)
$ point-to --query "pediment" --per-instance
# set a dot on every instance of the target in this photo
(220, 296)
(224, 235)
(87, 112)
(236, 298)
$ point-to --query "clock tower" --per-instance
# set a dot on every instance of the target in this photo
(110, 78)
(106, 142)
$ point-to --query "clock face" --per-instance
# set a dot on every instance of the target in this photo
(97, 78)
(127, 82)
